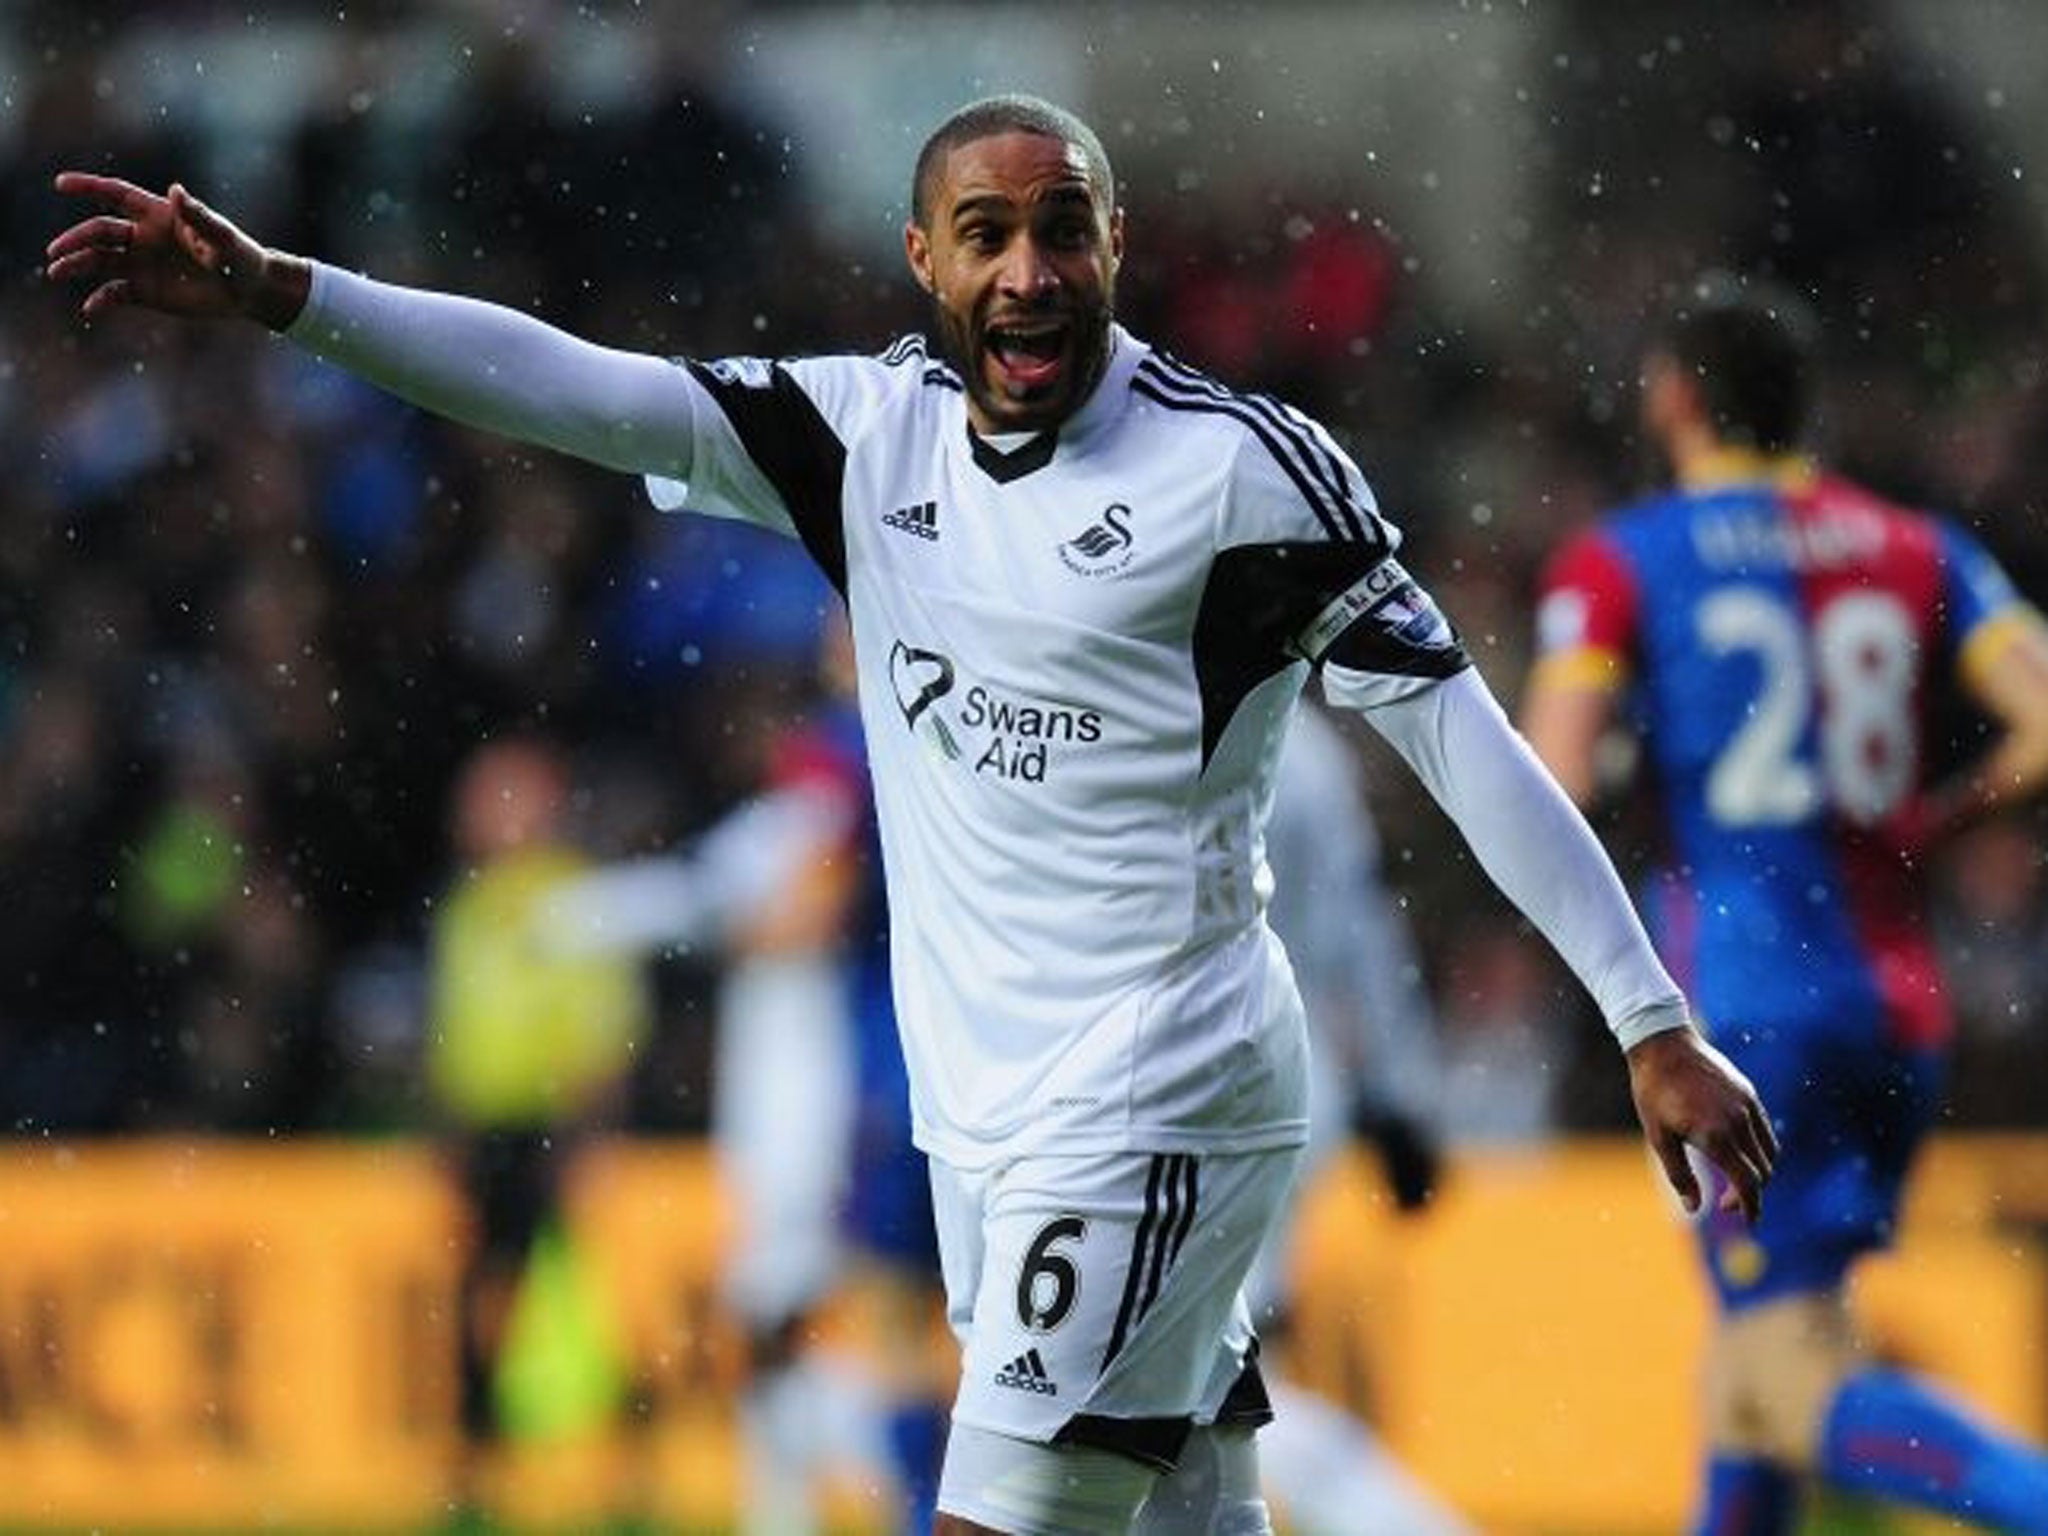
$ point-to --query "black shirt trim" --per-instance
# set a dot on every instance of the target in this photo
(1257, 599)
(788, 438)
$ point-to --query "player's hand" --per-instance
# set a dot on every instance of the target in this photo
(1687, 1092)
(171, 253)
(1407, 1150)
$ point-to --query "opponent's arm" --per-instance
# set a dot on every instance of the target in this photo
(1564, 722)
(481, 364)
(770, 877)
(2010, 684)
(1538, 849)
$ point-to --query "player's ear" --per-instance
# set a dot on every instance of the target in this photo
(917, 246)
(1116, 238)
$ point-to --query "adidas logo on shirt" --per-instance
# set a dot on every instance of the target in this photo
(920, 518)
(1027, 1374)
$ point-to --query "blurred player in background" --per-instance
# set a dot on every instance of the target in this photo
(529, 1051)
(1087, 587)
(1782, 642)
(1375, 1078)
(810, 1112)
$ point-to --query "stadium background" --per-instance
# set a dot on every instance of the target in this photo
(253, 618)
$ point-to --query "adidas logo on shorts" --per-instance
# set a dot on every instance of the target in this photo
(1027, 1374)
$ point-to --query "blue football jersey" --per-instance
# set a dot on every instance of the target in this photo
(1784, 641)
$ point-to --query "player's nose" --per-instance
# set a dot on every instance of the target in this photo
(1028, 271)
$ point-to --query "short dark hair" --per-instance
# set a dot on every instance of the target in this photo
(1749, 344)
(994, 115)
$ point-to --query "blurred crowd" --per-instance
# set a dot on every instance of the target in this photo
(254, 617)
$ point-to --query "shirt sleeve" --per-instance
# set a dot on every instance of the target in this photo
(770, 443)
(1586, 614)
(1308, 562)
(494, 368)
(1983, 609)
(1536, 847)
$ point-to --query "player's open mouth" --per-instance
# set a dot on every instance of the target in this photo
(1028, 356)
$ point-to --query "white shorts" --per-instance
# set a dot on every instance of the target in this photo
(1098, 1300)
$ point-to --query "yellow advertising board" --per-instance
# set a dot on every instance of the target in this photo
(218, 1335)
(214, 1333)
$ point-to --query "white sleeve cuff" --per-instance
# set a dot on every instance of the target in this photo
(1651, 1019)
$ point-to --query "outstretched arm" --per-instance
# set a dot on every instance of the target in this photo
(1538, 849)
(480, 364)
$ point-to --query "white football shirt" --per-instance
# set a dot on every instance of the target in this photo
(1077, 655)
(1077, 659)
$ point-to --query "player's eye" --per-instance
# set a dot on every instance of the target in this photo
(1070, 234)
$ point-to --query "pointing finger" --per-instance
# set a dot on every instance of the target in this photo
(123, 196)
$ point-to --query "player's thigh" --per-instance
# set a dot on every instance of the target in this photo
(1097, 1300)
(1773, 1370)
(998, 1483)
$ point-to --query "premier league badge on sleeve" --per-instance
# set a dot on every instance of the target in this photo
(743, 372)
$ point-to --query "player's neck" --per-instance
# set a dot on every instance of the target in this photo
(1710, 463)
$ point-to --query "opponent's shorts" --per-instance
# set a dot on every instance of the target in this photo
(1850, 1112)
(1098, 1300)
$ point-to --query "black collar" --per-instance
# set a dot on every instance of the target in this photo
(1004, 467)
